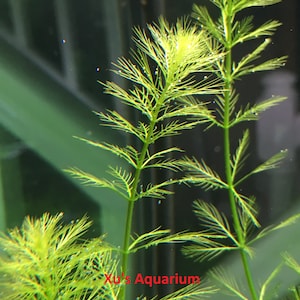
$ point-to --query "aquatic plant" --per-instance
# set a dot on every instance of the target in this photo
(229, 31)
(45, 259)
(162, 92)
(171, 66)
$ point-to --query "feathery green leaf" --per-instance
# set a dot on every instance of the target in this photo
(228, 281)
(289, 221)
(242, 4)
(192, 292)
(92, 180)
(291, 262)
(158, 160)
(267, 29)
(240, 154)
(271, 163)
(247, 205)
(43, 260)
(206, 247)
(128, 153)
(200, 174)
(251, 113)
(214, 221)
(156, 191)
(268, 281)
(116, 121)
(201, 14)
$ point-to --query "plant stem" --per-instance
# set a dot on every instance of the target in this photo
(227, 20)
(134, 190)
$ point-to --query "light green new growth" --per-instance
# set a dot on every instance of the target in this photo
(169, 68)
(45, 260)
(220, 236)
(161, 89)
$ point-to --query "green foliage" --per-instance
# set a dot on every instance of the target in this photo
(46, 260)
(219, 235)
(162, 90)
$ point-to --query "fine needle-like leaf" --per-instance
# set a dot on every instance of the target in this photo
(92, 180)
(128, 153)
(251, 113)
(267, 282)
(242, 4)
(213, 220)
(247, 205)
(289, 221)
(193, 292)
(201, 174)
(291, 262)
(272, 163)
(228, 281)
(240, 156)
(44, 260)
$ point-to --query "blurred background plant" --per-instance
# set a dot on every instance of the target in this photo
(46, 259)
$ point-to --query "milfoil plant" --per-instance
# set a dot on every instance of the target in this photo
(46, 259)
(170, 69)
(164, 93)
(239, 233)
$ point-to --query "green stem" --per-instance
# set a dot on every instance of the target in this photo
(134, 190)
(227, 19)
(129, 216)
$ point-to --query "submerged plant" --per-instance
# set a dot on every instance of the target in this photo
(222, 235)
(45, 260)
(162, 89)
